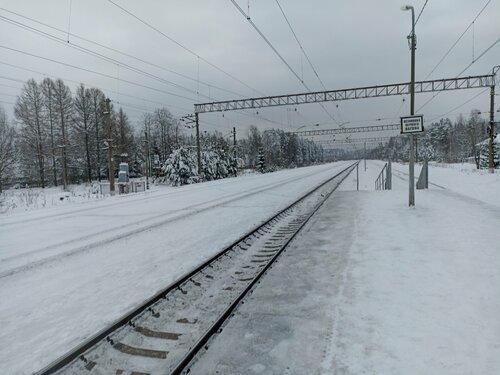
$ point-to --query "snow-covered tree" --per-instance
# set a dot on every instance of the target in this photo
(180, 168)
(484, 154)
(261, 163)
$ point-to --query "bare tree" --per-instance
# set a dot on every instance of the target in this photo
(83, 114)
(7, 150)
(64, 108)
(28, 110)
(50, 117)
(97, 102)
(164, 132)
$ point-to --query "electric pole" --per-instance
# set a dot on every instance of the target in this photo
(365, 157)
(146, 141)
(411, 39)
(198, 147)
(491, 128)
(111, 162)
(234, 153)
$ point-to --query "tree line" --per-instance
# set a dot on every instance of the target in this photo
(60, 137)
(446, 141)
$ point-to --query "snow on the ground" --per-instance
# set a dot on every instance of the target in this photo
(66, 272)
(402, 290)
(462, 178)
(374, 287)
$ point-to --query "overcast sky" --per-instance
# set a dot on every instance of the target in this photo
(351, 43)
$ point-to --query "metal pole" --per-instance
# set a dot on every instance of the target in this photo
(357, 177)
(111, 162)
(491, 161)
(147, 157)
(234, 152)
(198, 148)
(365, 156)
(411, 200)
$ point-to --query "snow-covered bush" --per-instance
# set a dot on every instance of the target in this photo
(180, 168)
(217, 165)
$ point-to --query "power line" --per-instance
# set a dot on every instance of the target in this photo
(307, 58)
(268, 43)
(300, 45)
(123, 53)
(89, 85)
(107, 59)
(459, 38)
(123, 94)
(467, 67)
(481, 55)
(276, 52)
(13, 79)
(460, 106)
(184, 47)
(95, 54)
(421, 10)
(12, 87)
(97, 73)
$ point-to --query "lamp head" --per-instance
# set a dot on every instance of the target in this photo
(406, 7)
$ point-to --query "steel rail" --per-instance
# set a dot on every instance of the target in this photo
(78, 351)
(227, 313)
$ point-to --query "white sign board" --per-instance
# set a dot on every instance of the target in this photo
(412, 124)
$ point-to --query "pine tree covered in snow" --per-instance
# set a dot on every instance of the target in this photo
(180, 168)
(484, 154)
(261, 163)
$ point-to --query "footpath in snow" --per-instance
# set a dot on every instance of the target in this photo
(372, 286)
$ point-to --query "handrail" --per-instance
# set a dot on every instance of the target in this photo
(380, 182)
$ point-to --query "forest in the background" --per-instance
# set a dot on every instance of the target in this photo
(59, 137)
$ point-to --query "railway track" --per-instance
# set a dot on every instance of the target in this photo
(170, 329)
(41, 256)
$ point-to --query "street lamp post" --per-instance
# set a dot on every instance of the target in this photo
(412, 105)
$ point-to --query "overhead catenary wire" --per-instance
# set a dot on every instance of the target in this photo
(307, 58)
(95, 72)
(269, 44)
(463, 71)
(277, 53)
(300, 45)
(460, 106)
(114, 61)
(96, 54)
(421, 11)
(459, 38)
(93, 42)
(115, 92)
(185, 48)
(188, 50)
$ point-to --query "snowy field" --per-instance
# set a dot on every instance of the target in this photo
(382, 289)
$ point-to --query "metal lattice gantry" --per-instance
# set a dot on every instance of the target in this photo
(446, 84)
(359, 129)
(333, 142)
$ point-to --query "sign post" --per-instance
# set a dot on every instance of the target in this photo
(411, 125)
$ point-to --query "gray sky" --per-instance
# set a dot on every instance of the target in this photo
(350, 43)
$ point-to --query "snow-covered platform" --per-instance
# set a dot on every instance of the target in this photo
(374, 287)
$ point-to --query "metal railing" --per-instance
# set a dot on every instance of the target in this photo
(384, 179)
